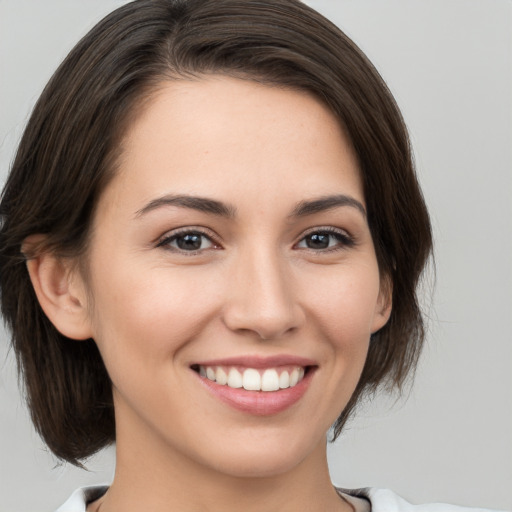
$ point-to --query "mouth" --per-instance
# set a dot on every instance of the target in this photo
(257, 386)
(254, 379)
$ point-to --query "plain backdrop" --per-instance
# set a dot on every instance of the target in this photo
(449, 65)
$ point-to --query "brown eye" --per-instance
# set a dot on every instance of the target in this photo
(318, 240)
(325, 240)
(190, 242)
(187, 241)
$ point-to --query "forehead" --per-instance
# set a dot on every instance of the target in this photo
(226, 136)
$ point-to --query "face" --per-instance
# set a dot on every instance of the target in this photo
(232, 249)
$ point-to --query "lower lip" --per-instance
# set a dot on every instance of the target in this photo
(259, 403)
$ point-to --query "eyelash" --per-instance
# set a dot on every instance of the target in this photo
(167, 240)
(343, 238)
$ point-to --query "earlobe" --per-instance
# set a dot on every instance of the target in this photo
(60, 293)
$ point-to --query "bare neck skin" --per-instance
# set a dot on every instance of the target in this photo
(167, 481)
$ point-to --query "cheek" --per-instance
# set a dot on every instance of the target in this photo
(345, 303)
(151, 313)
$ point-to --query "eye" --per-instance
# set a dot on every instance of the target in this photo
(325, 239)
(191, 241)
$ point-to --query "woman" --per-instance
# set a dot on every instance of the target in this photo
(222, 234)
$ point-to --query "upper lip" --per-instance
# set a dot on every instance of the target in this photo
(255, 361)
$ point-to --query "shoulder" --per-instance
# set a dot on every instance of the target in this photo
(78, 501)
(384, 500)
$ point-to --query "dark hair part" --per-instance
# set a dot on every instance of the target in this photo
(68, 154)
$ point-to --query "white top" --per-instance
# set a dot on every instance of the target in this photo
(363, 500)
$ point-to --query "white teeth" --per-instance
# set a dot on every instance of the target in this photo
(251, 379)
(269, 381)
(284, 380)
(234, 378)
(294, 377)
(221, 376)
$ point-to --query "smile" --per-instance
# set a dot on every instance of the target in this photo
(255, 385)
(252, 379)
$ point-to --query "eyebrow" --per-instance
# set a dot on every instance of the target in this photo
(327, 203)
(201, 204)
(212, 206)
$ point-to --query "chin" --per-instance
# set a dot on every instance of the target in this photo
(266, 459)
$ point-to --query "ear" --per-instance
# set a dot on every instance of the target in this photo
(59, 290)
(384, 305)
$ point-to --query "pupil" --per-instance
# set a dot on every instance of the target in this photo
(318, 241)
(189, 242)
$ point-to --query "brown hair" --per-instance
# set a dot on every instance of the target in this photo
(68, 153)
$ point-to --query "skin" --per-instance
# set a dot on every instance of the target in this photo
(253, 288)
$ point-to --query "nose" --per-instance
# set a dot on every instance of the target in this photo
(261, 297)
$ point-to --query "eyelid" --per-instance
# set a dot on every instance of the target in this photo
(165, 239)
(347, 239)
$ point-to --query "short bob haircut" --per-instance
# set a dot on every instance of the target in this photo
(70, 151)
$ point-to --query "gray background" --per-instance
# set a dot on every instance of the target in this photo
(449, 64)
